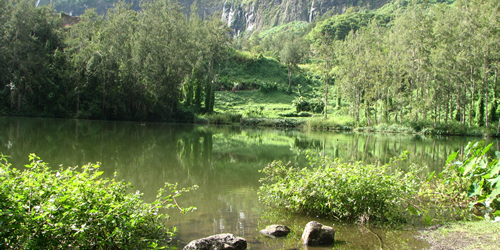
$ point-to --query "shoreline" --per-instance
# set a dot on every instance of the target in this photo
(308, 125)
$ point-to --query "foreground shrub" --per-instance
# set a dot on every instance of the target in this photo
(76, 209)
(346, 191)
(471, 177)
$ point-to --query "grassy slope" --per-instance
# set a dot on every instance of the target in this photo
(250, 72)
(242, 101)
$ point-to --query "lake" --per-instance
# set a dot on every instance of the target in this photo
(224, 161)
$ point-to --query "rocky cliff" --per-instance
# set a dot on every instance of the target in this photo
(243, 16)
(247, 16)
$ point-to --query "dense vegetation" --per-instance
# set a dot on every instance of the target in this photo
(386, 194)
(339, 190)
(434, 63)
(127, 65)
(76, 208)
(429, 66)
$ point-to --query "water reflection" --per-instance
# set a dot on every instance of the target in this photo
(223, 161)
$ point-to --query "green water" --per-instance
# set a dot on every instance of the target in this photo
(224, 162)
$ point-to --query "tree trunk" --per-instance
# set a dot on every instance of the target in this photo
(435, 117)
(103, 98)
(485, 82)
(19, 99)
(327, 80)
(447, 112)
(367, 114)
(77, 103)
(473, 93)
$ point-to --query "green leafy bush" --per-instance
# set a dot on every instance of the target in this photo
(293, 114)
(255, 111)
(335, 123)
(471, 177)
(301, 103)
(346, 191)
(268, 87)
(74, 208)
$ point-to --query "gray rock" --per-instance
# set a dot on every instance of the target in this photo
(316, 234)
(276, 231)
(218, 242)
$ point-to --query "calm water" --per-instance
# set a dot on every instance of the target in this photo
(224, 162)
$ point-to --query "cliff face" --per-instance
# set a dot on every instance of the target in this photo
(243, 16)
(253, 15)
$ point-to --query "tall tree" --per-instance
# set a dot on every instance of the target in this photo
(293, 52)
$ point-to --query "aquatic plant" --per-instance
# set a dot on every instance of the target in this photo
(340, 190)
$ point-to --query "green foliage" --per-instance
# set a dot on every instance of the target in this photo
(294, 114)
(474, 175)
(254, 111)
(469, 180)
(341, 190)
(76, 208)
(33, 69)
(252, 72)
(301, 103)
(339, 26)
(268, 87)
(128, 65)
(332, 123)
(451, 128)
(408, 63)
(480, 112)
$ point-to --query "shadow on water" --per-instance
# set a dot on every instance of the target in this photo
(224, 162)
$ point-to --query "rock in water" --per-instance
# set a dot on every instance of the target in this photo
(218, 242)
(276, 231)
(316, 234)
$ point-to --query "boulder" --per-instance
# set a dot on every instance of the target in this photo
(218, 242)
(276, 231)
(316, 234)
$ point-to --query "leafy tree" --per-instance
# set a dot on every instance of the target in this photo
(30, 38)
(293, 53)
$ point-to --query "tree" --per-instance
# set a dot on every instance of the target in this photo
(30, 38)
(293, 52)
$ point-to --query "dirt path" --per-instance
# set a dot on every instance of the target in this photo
(464, 235)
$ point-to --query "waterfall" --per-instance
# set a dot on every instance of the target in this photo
(312, 11)
(227, 14)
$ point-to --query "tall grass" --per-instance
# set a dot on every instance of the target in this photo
(220, 118)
